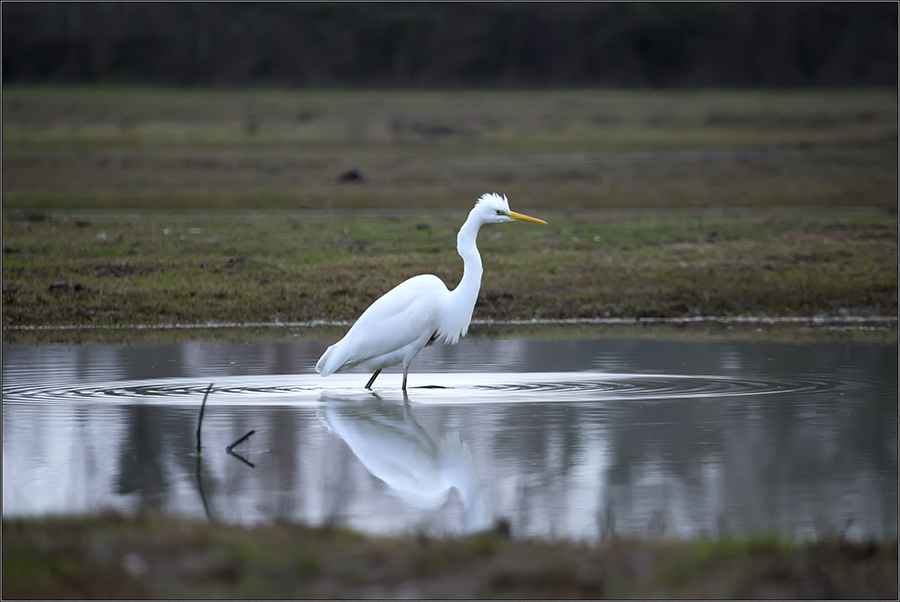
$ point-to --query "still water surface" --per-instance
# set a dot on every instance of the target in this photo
(567, 439)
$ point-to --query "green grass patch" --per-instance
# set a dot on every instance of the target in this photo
(135, 205)
(163, 269)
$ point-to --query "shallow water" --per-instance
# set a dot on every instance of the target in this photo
(575, 439)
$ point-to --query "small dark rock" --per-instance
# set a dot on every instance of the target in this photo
(351, 175)
(61, 286)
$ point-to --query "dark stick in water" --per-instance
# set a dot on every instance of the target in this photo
(228, 449)
(200, 419)
(234, 454)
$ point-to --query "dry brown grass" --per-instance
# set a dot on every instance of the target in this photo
(113, 148)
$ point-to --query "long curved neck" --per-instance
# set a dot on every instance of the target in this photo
(456, 311)
(470, 284)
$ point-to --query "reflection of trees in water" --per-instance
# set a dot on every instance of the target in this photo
(158, 439)
(282, 478)
(688, 466)
(140, 458)
(158, 452)
(692, 466)
(772, 456)
(340, 487)
(720, 464)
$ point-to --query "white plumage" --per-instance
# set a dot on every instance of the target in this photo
(402, 321)
(393, 447)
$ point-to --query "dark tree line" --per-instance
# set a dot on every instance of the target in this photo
(453, 44)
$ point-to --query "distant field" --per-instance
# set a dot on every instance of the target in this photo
(126, 206)
(124, 148)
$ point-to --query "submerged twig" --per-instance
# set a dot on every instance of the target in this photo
(230, 448)
(200, 487)
(241, 458)
(239, 441)
(200, 419)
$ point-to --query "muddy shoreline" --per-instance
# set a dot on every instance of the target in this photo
(155, 556)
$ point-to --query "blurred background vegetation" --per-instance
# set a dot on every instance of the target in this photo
(453, 45)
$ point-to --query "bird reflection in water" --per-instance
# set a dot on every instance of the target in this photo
(394, 448)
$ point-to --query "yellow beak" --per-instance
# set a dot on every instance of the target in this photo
(525, 218)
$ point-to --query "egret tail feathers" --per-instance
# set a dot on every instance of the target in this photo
(330, 362)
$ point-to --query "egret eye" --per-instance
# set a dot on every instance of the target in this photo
(499, 212)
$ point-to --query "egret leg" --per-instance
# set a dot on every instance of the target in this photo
(371, 380)
(404, 380)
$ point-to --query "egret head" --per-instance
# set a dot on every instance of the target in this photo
(493, 209)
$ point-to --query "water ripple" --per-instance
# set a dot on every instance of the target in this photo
(452, 388)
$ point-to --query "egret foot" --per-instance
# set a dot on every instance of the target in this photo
(371, 380)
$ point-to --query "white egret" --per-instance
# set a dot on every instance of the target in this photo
(402, 321)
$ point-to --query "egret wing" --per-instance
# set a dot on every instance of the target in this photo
(402, 316)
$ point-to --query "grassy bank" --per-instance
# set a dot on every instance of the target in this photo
(153, 269)
(126, 206)
(642, 329)
(163, 557)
